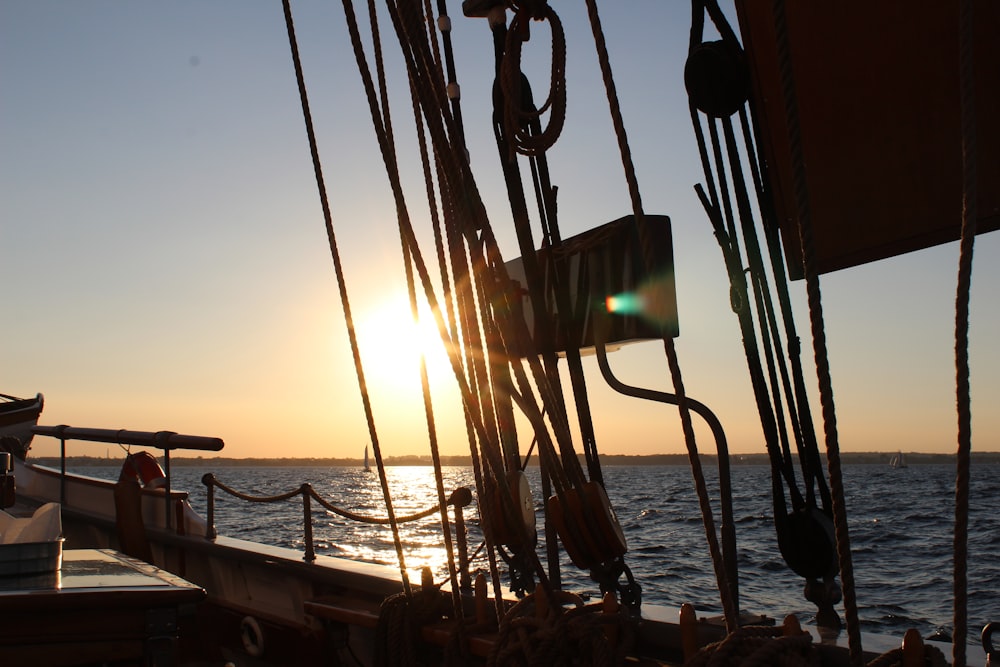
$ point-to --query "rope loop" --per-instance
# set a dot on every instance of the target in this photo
(521, 120)
(460, 497)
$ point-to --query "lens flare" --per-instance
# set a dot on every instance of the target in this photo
(626, 303)
(653, 302)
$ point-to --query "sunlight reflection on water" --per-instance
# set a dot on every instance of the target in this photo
(412, 489)
(900, 533)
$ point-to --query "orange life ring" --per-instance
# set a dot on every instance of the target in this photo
(143, 467)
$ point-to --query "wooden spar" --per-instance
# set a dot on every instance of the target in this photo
(167, 440)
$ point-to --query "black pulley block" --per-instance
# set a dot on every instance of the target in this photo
(808, 544)
(717, 78)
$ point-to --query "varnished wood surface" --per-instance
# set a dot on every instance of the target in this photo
(100, 606)
(96, 579)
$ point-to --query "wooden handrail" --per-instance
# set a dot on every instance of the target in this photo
(166, 440)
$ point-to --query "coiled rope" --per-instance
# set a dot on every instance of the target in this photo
(540, 631)
(516, 119)
(760, 646)
(397, 634)
(933, 657)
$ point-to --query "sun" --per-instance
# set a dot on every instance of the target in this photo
(392, 345)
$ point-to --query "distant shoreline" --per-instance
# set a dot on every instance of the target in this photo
(850, 458)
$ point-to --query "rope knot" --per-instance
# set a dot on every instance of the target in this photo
(532, 9)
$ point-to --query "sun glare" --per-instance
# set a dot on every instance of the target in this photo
(392, 343)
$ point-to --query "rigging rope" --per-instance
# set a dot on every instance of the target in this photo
(819, 337)
(457, 181)
(411, 294)
(773, 435)
(409, 242)
(563, 469)
(700, 65)
(802, 423)
(516, 122)
(964, 400)
(716, 77)
(342, 287)
(432, 436)
(725, 591)
(507, 96)
(454, 95)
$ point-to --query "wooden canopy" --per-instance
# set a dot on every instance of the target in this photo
(876, 85)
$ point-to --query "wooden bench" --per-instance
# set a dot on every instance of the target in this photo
(362, 613)
(348, 611)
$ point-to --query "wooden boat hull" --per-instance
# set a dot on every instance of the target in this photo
(263, 585)
(269, 605)
(19, 416)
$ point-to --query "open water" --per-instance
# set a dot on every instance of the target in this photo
(901, 523)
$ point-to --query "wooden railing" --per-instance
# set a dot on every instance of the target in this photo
(167, 441)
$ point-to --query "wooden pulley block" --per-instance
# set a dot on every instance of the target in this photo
(587, 525)
(515, 525)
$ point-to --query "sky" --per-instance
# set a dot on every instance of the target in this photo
(165, 264)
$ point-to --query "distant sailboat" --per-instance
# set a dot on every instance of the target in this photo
(897, 461)
(368, 468)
